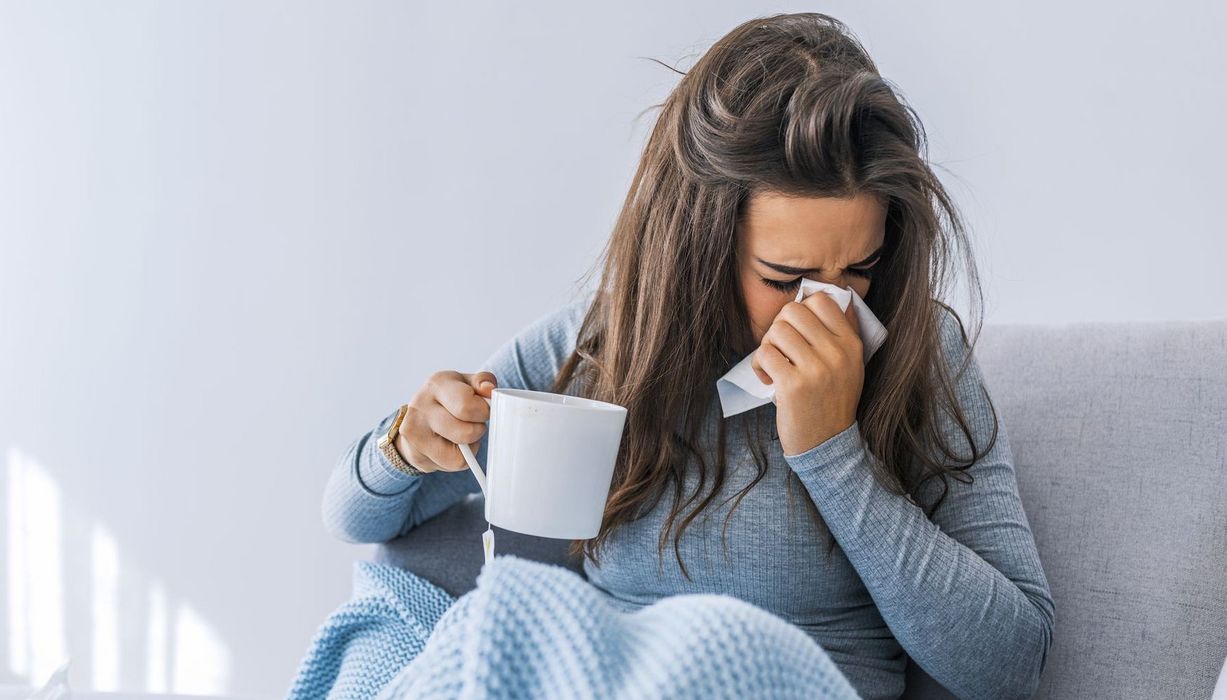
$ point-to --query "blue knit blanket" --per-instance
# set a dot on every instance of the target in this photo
(533, 630)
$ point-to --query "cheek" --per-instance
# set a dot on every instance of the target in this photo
(861, 285)
(762, 304)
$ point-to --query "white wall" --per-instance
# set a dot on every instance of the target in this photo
(235, 235)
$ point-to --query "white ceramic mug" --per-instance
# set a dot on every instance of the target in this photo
(549, 462)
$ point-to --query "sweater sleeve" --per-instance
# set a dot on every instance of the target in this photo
(367, 500)
(964, 593)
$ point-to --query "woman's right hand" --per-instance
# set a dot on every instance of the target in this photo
(445, 412)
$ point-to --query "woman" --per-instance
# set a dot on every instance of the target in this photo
(873, 505)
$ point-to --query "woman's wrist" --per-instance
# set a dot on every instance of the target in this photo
(401, 445)
(389, 445)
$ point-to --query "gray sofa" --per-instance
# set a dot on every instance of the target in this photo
(1119, 432)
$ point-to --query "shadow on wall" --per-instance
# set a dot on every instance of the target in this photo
(70, 593)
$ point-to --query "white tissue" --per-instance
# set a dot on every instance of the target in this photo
(740, 389)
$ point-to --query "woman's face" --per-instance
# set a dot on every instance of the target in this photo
(782, 239)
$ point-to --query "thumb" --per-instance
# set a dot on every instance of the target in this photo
(483, 382)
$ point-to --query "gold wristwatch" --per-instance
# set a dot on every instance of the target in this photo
(387, 445)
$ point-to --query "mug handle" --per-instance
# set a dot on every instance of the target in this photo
(474, 467)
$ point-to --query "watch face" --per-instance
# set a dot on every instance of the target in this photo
(400, 416)
(395, 427)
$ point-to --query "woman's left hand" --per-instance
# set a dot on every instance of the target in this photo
(812, 354)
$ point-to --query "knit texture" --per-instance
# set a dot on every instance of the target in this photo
(533, 630)
(960, 591)
(380, 629)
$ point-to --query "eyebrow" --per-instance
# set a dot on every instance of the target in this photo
(789, 270)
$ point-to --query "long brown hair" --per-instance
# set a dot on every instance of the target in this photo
(789, 103)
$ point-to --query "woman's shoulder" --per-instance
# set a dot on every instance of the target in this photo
(949, 325)
(558, 328)
(532, 357)
(966, 380)
(954, 341)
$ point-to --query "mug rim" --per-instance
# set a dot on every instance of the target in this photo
(558, 400)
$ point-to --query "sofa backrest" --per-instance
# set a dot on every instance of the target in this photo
(1119, 435)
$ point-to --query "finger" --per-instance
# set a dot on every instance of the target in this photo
(806, 322)
(827, 310)
(417, 458)
(421, 458)
(443, 453)
(413, 457)
(462, 401)
(789, 341)
(444, 424)
(773, 361)
(824, 344)
(758, 370)
(478, 380)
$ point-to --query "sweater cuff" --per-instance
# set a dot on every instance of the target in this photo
(838, 448)
(377, 474)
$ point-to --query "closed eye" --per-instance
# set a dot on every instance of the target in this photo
(792, 284)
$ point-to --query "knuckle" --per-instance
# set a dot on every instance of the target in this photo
(474, 432)
(413, 423)
(437, 380)
(789, 319)
(475, 409)
(763, 356)
(427, 394)
(462, 411)
(457, 432)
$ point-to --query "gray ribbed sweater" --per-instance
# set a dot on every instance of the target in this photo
(963, 594)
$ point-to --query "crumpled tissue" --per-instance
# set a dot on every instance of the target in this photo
(740, 388)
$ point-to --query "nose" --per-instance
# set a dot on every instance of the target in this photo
(840, 280)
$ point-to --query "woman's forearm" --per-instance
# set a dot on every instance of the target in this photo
(367, 500)
(981, 629)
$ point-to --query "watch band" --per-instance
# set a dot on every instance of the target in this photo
(387, 445)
